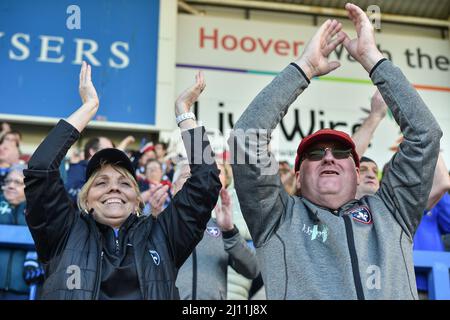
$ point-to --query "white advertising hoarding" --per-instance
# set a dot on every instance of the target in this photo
(240, 57)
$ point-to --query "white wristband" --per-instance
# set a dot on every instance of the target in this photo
(185, 116)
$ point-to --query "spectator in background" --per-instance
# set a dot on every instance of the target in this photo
(12, 212)
(9, 156)
(167, 164)
(436, 219)
(145, 154)
(7, 134)
(368, 182)
(368, 169)
(204, 274)
(160, 151)
(76, 174)
(12, 136)
(153, 172)
(363, 136)
(238, 285)
(5, 127)
(153, 177)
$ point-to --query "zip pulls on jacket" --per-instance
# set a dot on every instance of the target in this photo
(341, 212)
(353, 257)
(116, 239)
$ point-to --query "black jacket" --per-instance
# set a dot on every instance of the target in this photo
(69, 243)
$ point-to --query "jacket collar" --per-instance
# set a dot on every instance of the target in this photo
(312, 208)
(124, 227)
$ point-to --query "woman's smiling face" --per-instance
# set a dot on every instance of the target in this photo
(113, 197)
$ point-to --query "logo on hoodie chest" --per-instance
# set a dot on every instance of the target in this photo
(315, 233)
(361, 214)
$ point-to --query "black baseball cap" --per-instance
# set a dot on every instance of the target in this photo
(109, 156)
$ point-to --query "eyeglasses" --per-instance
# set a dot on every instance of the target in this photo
(318, 154)
(16, 183)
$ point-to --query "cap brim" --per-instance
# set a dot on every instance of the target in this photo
(326, 137)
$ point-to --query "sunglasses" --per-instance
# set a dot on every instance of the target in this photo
(318, 154)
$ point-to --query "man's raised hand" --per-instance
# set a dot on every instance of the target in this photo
(87, 90)
(363, 48)
(188, 97)
(314, 60)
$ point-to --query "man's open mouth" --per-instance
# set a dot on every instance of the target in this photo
(329, 172)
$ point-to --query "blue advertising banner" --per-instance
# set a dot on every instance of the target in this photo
(42, 45)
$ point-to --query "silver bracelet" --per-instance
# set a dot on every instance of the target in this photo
(185, 116)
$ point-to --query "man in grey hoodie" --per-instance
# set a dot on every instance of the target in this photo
(325, 244)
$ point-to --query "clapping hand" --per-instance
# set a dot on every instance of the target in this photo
(314, 60)
(87, 90)
(363, 48)
(186, 99)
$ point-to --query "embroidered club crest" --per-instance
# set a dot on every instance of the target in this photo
(213, 231)
(361, 214)
(155, 256)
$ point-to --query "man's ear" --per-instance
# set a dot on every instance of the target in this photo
(297, 180)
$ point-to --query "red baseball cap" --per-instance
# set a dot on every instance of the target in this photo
(325, 135)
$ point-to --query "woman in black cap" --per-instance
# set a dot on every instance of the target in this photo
(107, 250)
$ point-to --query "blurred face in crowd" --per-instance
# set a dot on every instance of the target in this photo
(113, 194)
(14, 188)
(159, 151)
(12, 137)
(9, 153)
(369, 183)
(153, 171)
(328, 182)
(149, 155)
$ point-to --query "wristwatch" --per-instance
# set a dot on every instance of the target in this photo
(185, 116)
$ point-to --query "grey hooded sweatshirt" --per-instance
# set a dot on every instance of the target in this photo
(204, 274)
(363, 250)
